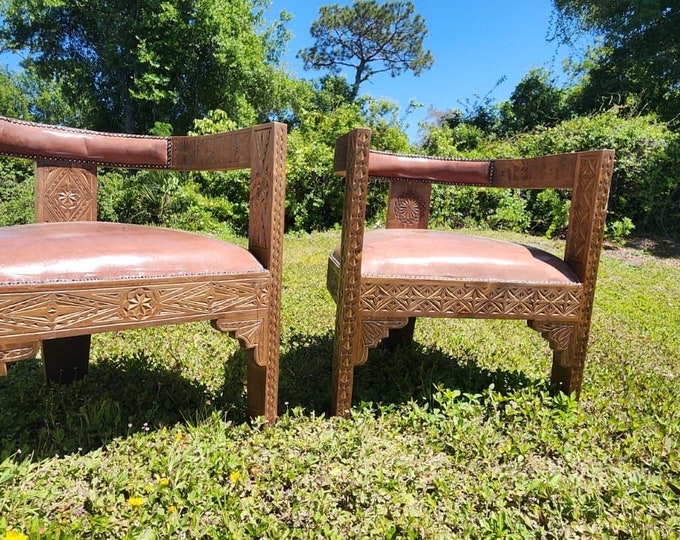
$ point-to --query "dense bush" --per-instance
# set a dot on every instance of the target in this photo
(646, 181)
(170, 198)
(16, 192)
(645, 193)
(314, 194)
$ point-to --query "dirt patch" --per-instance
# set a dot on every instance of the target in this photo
(637, 251)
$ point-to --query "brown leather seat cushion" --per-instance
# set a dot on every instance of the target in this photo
(87, 251)
(427, 254)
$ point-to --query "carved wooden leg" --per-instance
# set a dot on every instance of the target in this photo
(568, 342)
(16, 352)
(400, 337)
(66, 359)
(262, 371)
(346, 344)
(353, 351)
(568, 365)
(262, 388)
(343, 379)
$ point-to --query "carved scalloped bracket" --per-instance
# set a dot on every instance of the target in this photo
(374, 331)
(249, 333)
(16, 352)
(557, 334)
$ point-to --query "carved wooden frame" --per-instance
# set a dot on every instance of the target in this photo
(368, 307)
(247, 306)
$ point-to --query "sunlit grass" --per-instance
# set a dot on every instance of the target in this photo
(454, 437)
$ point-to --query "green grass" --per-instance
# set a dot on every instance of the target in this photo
(454, 437)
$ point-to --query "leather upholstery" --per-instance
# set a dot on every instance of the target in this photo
(41, 141)
(431, 169)
(428, 254)
(383, 280)
(91, 251)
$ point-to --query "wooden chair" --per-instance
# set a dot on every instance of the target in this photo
(383, 279)
(69, 276)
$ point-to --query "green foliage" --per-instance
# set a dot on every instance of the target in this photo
(314, 193)
(646, 182)
(127, 65)
(369, 38)
(536, 101)
(645, 185)
(637, 57)
(619, 230)
(17, 187)
(164, 198)
(549, 210)
(456, 436)
(13, 101)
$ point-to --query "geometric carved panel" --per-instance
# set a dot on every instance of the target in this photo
(16, 352)
(66, 194)
(38, 312)
(461, 299)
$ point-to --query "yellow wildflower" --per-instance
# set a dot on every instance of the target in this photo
(178, 436)
(14, 535)
(235, 476)
(136, 501)
(172, 509)
(164, 482)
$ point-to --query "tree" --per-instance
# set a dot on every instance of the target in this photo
(368, 38)
(127, 64)
(637, 60)
(535, 101)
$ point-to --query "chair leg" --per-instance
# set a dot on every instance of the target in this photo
(567, 368)
(262, 370)
(400, 337)
(262, 381)
(568, 342)
(66, 359)
(343, 380)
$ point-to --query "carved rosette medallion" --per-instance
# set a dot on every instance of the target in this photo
(408, 208)
(140, 304)
(68, 198)
(68, 195)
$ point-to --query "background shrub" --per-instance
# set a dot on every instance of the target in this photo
(645, 192)
(17, 188)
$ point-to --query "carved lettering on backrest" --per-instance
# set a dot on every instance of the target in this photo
(67, 193)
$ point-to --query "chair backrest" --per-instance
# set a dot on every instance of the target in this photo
(67, 161)
(586, 174)
(403, 279)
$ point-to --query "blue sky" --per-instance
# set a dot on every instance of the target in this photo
(475, 43)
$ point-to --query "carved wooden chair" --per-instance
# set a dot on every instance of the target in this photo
(69, 276)
(383, 279)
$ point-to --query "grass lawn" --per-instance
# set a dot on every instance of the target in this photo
(454, 437)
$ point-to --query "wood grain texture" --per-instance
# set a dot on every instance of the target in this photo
(246, 305)
(368, 306)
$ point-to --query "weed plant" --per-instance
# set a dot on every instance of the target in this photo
(456, 436)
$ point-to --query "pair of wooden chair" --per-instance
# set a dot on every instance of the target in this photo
(69, 276)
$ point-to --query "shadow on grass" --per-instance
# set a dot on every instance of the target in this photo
(118, 397)
(388, 377)
(127, 394)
